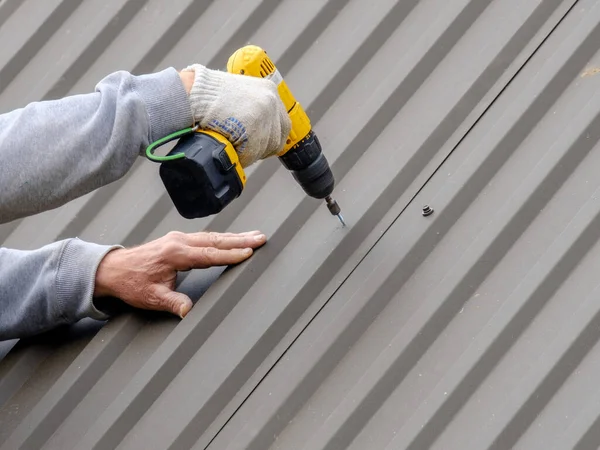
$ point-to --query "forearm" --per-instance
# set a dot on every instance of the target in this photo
(48, 287)
(55, 151)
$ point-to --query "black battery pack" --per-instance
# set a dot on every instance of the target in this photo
(203, 182)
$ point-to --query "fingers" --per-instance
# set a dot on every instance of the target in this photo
(204, 257)
(226, 241)
(171, 301)
(201, 250)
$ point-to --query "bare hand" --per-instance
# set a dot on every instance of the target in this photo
(144, 277)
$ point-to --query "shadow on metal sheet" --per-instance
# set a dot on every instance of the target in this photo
(194, 284)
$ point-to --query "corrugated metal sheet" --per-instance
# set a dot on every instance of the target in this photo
(475, 327)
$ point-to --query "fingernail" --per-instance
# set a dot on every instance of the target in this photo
(260, 237)
(182, 309)
(247, 251)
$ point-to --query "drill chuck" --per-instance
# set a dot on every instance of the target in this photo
(309, 167)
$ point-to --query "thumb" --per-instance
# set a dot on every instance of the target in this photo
(174, 302)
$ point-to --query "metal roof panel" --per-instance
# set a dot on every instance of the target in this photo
(401, 331)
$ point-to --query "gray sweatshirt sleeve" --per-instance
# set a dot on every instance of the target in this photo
(55, 151)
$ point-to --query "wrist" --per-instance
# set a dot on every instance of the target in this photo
(206, 90)
(108, 274)
(187, 79)
(166, 102)
(76, 275)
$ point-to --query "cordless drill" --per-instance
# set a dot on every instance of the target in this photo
(202, 173)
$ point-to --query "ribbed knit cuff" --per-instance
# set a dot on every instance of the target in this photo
(207, 88)
(166, 100)
(76, 278)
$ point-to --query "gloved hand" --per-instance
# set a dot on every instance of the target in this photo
(246, 110)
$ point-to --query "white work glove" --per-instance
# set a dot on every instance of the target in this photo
(246, 110)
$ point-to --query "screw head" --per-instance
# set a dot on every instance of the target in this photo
(427, 210)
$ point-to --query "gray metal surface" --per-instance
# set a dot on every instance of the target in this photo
(474, 327)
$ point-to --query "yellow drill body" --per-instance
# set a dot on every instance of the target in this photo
(302, 152)
(203, 172)
(254, 61)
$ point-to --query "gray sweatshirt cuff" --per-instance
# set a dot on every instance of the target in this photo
(76, 276)
(166, 100)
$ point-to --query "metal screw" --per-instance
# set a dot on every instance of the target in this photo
(427, 210)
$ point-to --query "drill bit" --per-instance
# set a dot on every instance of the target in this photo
(335, 209)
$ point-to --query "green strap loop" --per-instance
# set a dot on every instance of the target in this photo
(150, 150)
